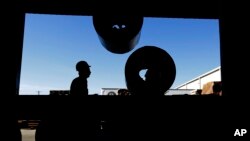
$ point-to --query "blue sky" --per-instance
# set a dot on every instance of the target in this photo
(53, 44)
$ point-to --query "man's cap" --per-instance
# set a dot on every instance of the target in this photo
(82, 65)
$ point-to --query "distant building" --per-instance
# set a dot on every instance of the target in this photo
(114, 91)
(59, 92)
(110, 91)
(198, 82)
(179, 91)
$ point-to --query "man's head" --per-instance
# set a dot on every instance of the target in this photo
(198, 92)
(83, 68)
(217, 88)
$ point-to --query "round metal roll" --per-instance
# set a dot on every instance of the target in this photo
(160, 68)
(118, 34)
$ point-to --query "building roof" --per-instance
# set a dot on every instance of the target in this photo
(200, 76)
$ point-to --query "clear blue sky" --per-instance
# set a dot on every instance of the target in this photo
(53, 44)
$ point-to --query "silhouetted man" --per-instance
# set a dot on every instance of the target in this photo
(198, 92)
(153, 82)
(79, 85)
(217, 90)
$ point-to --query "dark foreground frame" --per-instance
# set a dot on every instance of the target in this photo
(40, 107)
(208, 9)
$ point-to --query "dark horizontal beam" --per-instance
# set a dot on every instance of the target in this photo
(154, 8)
(106, 107)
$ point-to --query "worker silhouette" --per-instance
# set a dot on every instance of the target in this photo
(152, 84)
(79, 85)
(217, 89)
